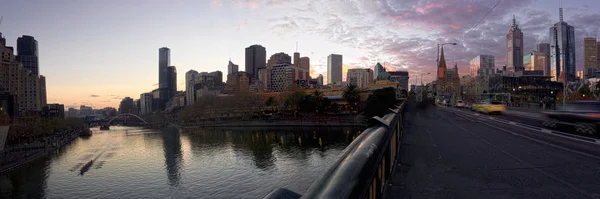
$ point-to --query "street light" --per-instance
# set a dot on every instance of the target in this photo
(438, 50)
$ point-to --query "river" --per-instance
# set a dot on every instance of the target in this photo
(190, 163)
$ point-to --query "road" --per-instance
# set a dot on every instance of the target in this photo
(452, 153)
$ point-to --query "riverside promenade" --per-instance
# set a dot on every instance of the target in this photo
(17, 155)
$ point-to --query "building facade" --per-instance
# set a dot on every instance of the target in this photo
(378, 69)
(27, 53)
(284, 75)
(334, 68)
(562, 43)
(54, 111)
(545, 49)
(361, 77)
(514, 48)
(535, 61)
(232, 68)
(590, 54)
(256, 56)
(482, 65)
(164, 61)
(401, 77)
(146, 103)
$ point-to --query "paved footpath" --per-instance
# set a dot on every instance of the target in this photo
(447, 154)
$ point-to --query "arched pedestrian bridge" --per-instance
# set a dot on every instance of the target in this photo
(123, 115)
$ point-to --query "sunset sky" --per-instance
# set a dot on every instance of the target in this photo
(97, 52)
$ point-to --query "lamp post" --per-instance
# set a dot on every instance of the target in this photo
(438, 60)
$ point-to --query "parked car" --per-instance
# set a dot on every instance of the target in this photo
(584, 116)
(460, 104)
(490, 107)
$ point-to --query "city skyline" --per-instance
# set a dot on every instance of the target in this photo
(204, 39)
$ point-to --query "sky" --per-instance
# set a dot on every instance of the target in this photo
(97, 52)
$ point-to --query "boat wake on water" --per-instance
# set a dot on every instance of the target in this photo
(89, 164)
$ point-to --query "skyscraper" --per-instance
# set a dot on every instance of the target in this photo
(545, 48)
(171, 82)
(232, 68)
(190, 80)
(164, 61)
(590, 54)
(256, 56)
(482, 65)
(378, 70)
(562, 43)
(514, 48)
(334, 68)
(27, 53)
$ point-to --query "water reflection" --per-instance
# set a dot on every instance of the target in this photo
(26, 182)
(172, 151)
(188, 163)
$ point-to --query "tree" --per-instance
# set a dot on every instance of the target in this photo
(271, 102)
(351, 94)
(585, 90)
(378, 102)
(294, 97)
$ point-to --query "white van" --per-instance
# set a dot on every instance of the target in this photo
(460, 104)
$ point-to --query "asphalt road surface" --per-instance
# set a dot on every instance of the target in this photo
(453, 153)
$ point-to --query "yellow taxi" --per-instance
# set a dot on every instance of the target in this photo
(490, 106)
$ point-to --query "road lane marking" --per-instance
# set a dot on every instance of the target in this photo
(546, 131)
(523, 162)
(554, 133)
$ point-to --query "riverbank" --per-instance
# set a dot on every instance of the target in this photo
(15, 156)
(299, 122)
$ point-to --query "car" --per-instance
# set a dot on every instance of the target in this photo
(583, 115)
(490, 107)
(460, 104)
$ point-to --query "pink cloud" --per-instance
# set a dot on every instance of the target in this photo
(456, 26)
(247, 3)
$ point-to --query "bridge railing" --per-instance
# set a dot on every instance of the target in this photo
(365, 167)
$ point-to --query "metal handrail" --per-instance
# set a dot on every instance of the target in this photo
(365, 167)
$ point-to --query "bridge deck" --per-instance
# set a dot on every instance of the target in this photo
(452, 154)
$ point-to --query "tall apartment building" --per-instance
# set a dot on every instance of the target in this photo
(482, 65)
(361, 77)
(284, 75)
(164, 61)
(535, 61)
(256, 56)
(27, 53)
(146, 103)
(19, 81)
(334, 68)
(232, 68)
(562, 43)
(545, 48)
(590, 55)
(514, 48)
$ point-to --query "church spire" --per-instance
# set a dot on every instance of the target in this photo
(442, 66)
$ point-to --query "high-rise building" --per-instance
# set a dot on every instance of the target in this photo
(401, 77)
(590, 54)
(217, 78)
(256, 56)
(535, 61)
(545, 48)
(18, 81)
(562, 43)
(279, 58)
(41, 91)
(297, 59)
(361, 77)
(27, 53)
(482, 65)
(164, 61)
(146, 103)
(598, 55)
(378, 69)
(514, 48)
(320, 80)
(334, 69)
(305, 63)
(239, 81)
(171, 81)
(84, 111)
(232, 68)
(284, 75)
(190, 80)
